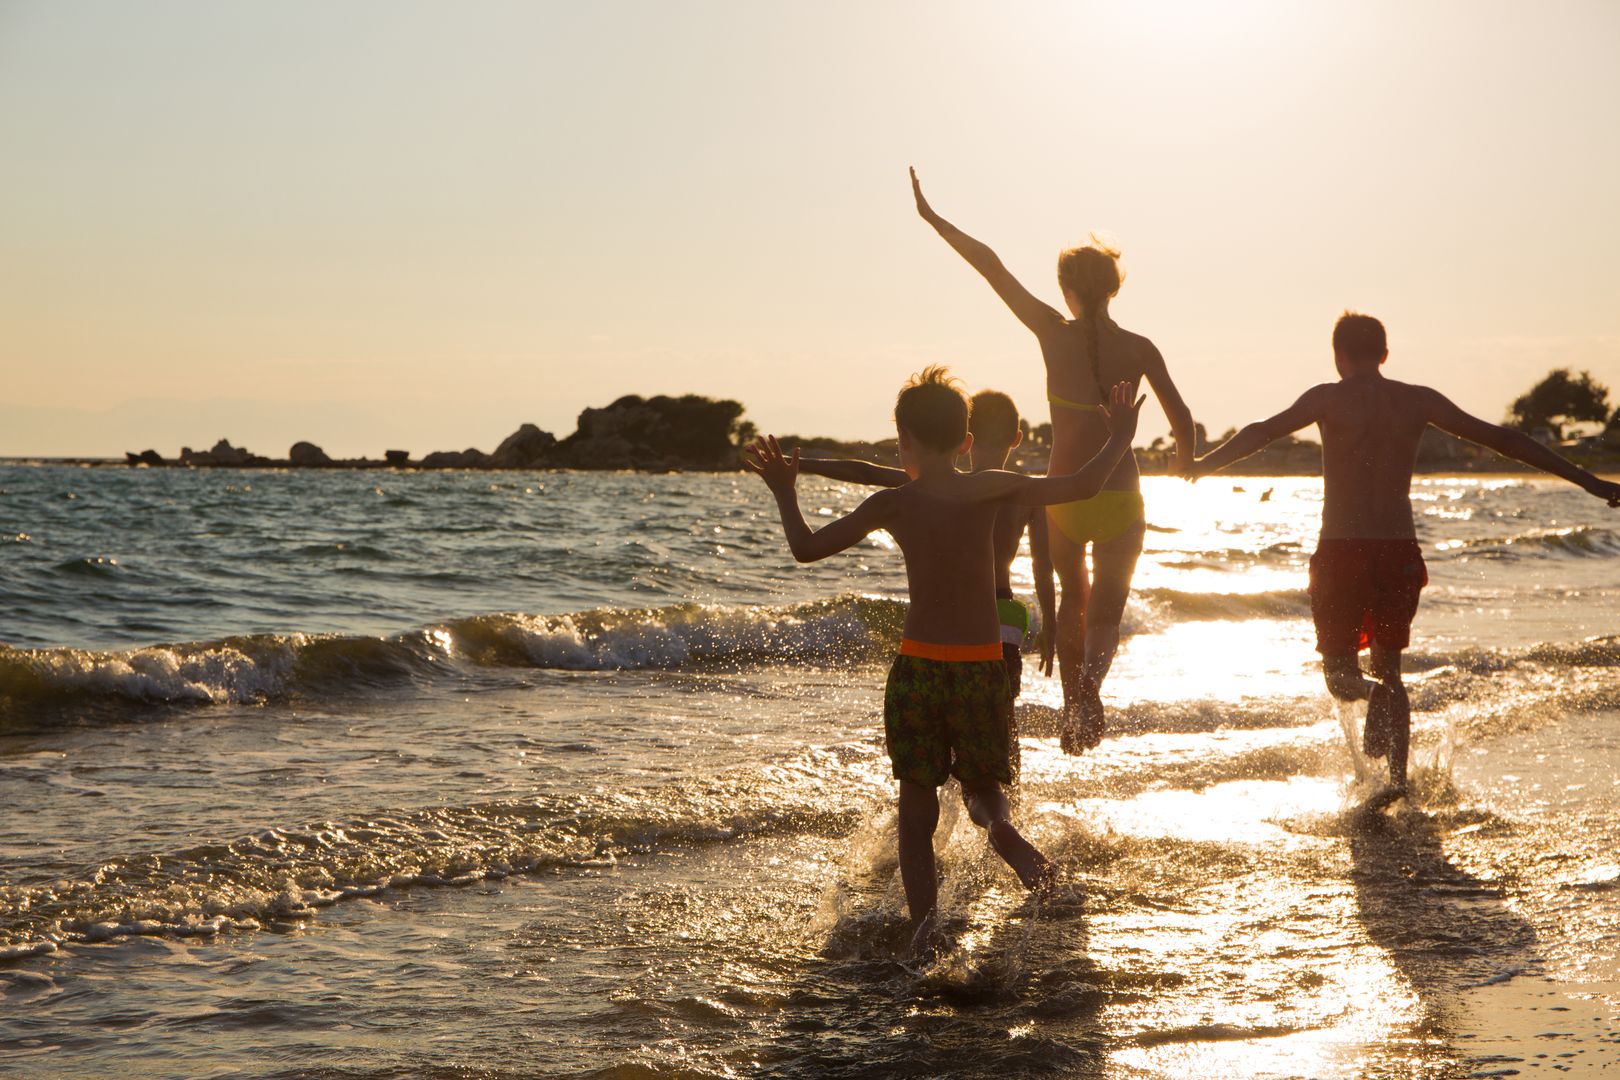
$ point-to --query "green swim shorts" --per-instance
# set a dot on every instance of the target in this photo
(1015, 620)
(944, 718)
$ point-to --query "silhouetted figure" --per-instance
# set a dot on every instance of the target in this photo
(1084, 356)
(946, 707)
(994, 423)
(1368, 568)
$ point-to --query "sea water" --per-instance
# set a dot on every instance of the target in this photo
(375, 774)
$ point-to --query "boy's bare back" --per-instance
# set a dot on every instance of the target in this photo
(949, 545)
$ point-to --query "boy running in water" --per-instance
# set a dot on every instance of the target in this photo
(946, 709)
(993, 422)
(1368, 568)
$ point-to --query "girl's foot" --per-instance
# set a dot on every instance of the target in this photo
(1083, 721)
(1089, 731)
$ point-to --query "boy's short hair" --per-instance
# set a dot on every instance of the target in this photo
(993, 418)
(1360, 337)
(932, 409)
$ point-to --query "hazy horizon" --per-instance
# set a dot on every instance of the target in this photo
(399, 225)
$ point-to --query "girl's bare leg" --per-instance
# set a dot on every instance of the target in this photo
(1113, 565)
(1074, 587)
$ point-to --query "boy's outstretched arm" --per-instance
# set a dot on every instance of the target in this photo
(1256, 436)
(764, 458)
(854, 471)
(1516, 445)
(1038, 316)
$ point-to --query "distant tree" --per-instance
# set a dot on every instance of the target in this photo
(1041, 434)
(695, 426)
(1559, 399)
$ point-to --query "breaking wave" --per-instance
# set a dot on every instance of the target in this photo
(1583, 541)
(269, 667)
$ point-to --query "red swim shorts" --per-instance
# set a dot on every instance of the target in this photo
(1365, 592)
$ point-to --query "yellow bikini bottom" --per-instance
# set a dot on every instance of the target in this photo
(1098, 519)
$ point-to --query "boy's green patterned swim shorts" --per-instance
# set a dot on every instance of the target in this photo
(944, 718)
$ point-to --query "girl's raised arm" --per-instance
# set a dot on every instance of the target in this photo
(1033, 313)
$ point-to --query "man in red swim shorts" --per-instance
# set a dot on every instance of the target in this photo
(1368, 568)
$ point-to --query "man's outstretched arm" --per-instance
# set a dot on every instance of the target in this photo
(854, 471)
(1258, 435)
(1516, 445)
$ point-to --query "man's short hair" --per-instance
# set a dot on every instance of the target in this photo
(1360, 337)
(932, 409)
(993, 418)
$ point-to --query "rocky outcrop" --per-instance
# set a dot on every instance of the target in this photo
(306, 454)
(688, 432)
(223, 453)
(145, 457)
(526, 448)
(456, 459)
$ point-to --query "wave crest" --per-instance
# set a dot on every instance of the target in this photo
(268, 667)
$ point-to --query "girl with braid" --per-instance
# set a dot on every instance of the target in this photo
(1084, 355)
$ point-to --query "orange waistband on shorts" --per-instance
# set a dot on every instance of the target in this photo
(926, 650)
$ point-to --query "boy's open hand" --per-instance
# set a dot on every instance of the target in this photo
(765, 459)
(1608, 491)
(1120, 412)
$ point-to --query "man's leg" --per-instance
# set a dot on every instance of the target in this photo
(987, 808)
(1393, 712)
(1344, 678)
(919, 813)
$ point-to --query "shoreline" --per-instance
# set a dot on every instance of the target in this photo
(1504, 467)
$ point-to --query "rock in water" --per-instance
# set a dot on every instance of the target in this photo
(307, 453)
(224, 453)
(455, 459)
(524, 448)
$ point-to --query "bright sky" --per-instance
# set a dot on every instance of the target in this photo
(416, 225)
